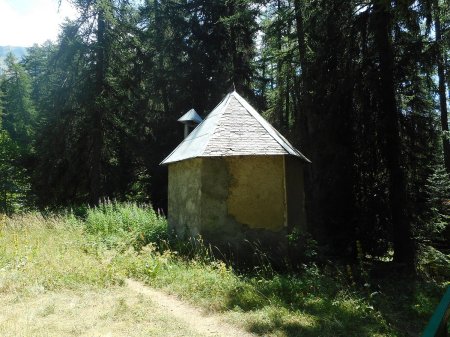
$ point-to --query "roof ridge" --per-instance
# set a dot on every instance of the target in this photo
(278, 137)
(225, 101)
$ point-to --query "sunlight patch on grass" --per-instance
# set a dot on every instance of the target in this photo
(45, 254)
(116, 311)
(274, 321)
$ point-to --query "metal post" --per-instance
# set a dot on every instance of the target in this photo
(437, 327)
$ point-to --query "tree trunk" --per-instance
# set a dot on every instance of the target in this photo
(404, 251)
(279, 78)
(97, 118)
(301, 130)
(301, 117)
(442, 87)
(161, 82)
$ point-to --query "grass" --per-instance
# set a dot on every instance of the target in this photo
(310, 304)
(38, 254)
(121, 225)
(113, 311)
(53, 255)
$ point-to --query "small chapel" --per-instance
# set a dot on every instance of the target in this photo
(235, 180)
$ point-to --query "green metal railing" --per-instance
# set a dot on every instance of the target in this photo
(437, 326)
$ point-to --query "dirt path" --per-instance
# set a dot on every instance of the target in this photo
(133, 310)
(205, 325)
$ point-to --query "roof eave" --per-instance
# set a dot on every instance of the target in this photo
(301, 157)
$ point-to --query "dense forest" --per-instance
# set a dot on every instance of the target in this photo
(361, 87)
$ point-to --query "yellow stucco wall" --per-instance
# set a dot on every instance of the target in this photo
(233, 200)
(184, 196)
(256, 193)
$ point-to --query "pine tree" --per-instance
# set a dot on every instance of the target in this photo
(16, 130)
(437, 221)
(442, 88)
(19, 112)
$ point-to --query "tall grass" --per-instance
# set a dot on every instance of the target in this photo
(46, 253)
(118, 240)
(126, 224)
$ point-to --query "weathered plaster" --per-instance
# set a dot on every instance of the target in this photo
(215, 181)
(232, 201)
(256, 191)
(218, 227)
(185, 196)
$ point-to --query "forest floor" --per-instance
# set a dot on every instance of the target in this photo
(56, 279)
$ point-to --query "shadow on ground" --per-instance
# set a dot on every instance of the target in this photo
(305, 305)
(311, 306)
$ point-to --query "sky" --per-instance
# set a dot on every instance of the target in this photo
(26, 22)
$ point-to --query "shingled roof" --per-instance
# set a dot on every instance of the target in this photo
(233, 128)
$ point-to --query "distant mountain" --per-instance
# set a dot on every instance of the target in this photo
(19, 52)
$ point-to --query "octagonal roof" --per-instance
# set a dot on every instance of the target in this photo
(233, 128)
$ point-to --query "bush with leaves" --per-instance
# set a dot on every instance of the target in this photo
(126, 224)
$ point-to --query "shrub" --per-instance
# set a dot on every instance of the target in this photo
(124, 224)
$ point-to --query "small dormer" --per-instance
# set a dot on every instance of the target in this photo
(190, 120)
